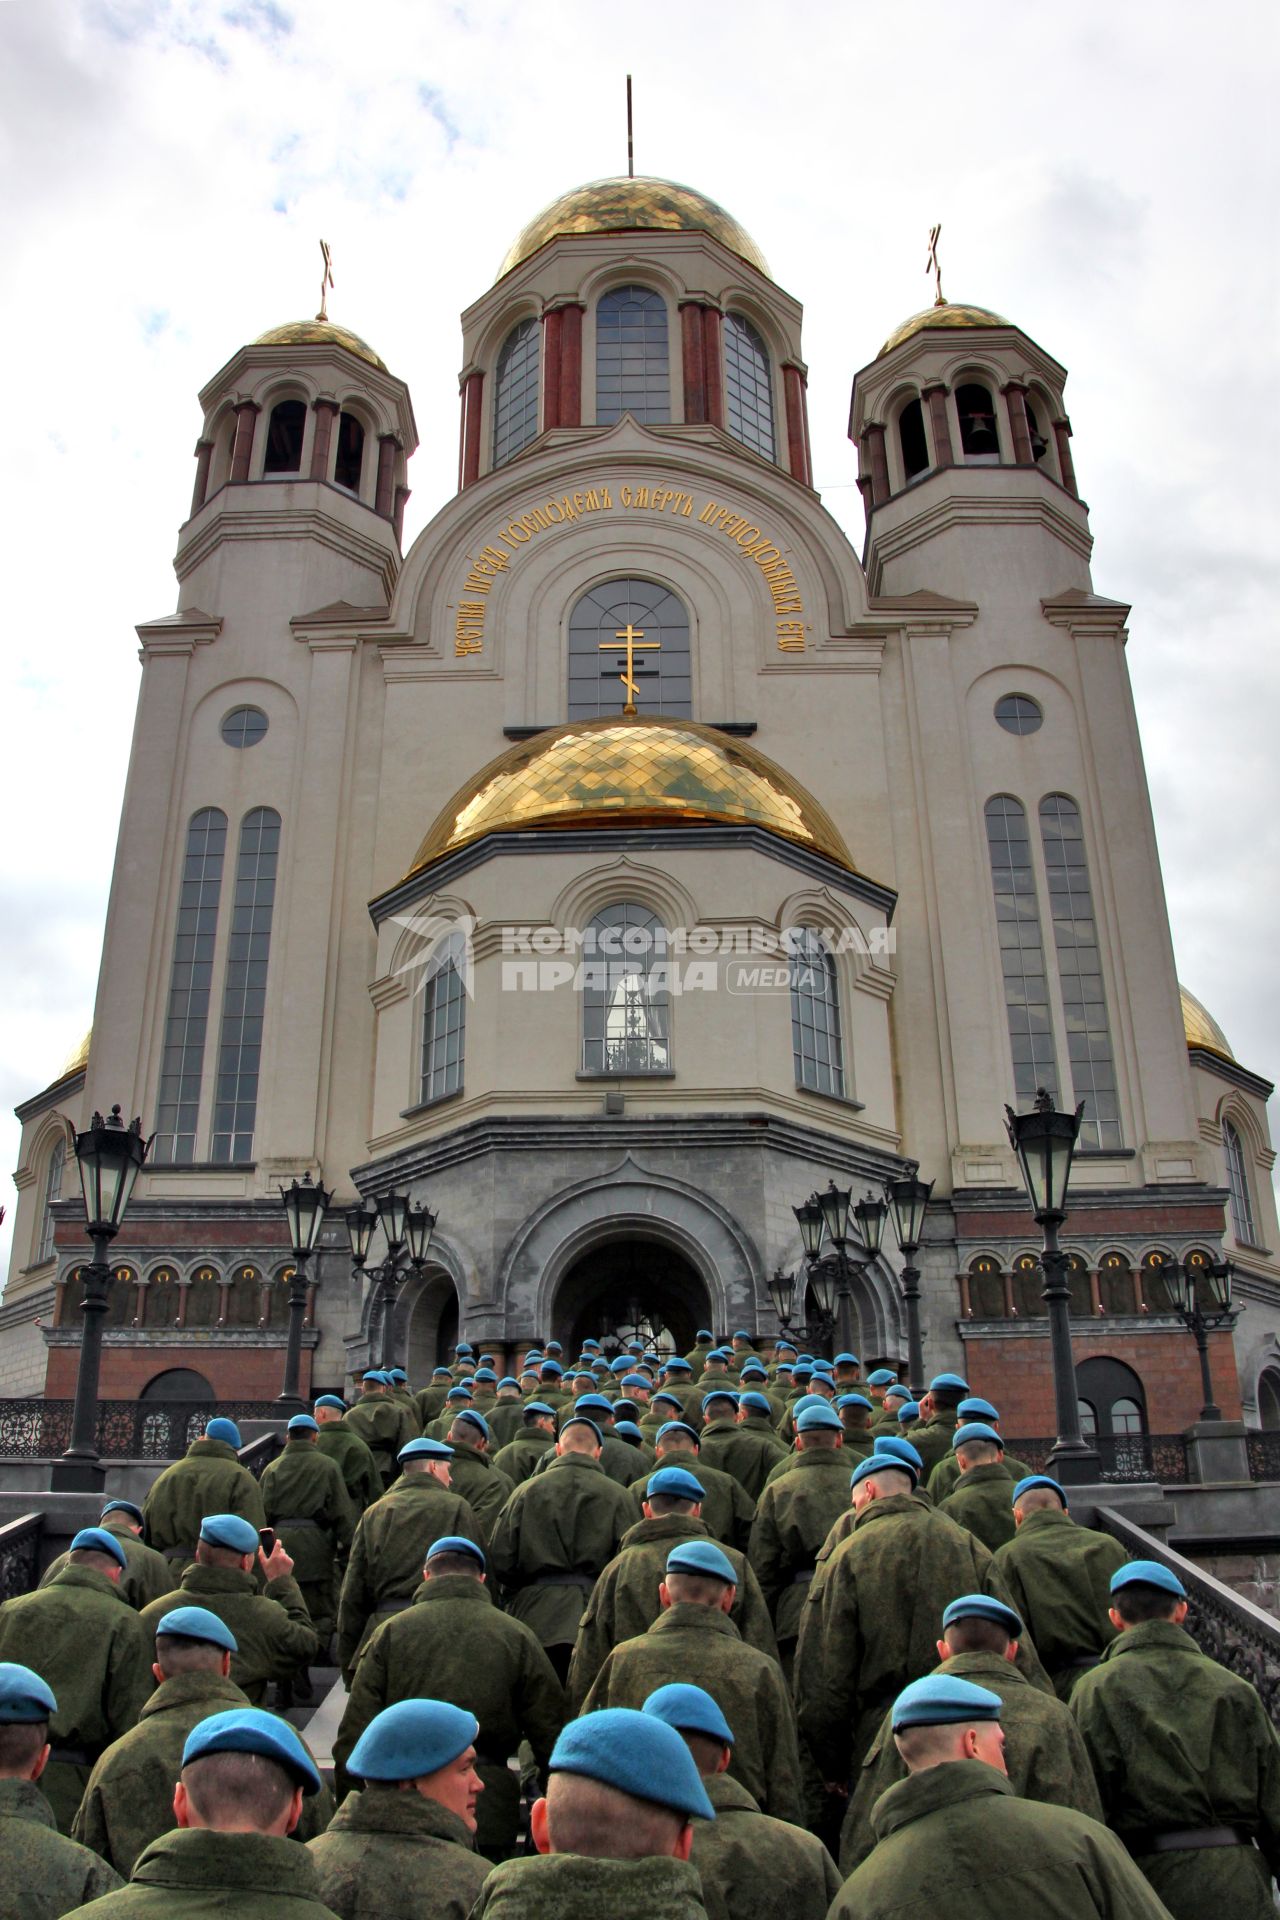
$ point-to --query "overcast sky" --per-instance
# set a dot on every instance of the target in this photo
(1105, 175)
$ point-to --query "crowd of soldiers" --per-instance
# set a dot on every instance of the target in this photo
(717, 1635)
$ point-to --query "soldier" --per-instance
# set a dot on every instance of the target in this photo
(696, 1357)
(505, 1417)
(624, 1601)
(244, 1776)
(272, 1628)
(934, 1436)
(982, 1499)
(755, 1379)
(943, 1478)
(821, 1393)
(616, 1457)
(405, 1844)
(428, 1402)
(348, 1452)
(458, 1400)
(385, 1426)
(536, 1438)
(856, 1414)
(794, 1517)
(846, 1371)
(693, 1638)
(45, 1874)
(208, 1479)
(391, 1541)
(550, 1375)
(896, 1396)
(743, 1442)
(1187, 1760)
(402, 1393)
(643, 1457)
(955, 1835)
(453, 1644)
(1044, 1755)
(306, 1501)
(663, 1406)
(473, 1475)
(147, 1574)
(89, 1646)
(909, 1417)
(749, 1863)
(1058, 1575)
(877, 1382)
(727, 1508)
(555, 1536)
(678, 1381)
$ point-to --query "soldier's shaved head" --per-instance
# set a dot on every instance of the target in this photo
(442, 1563)
(95, 1562)
(709, 1756)
(978, 1453)
(237, 1793)
(578, 1438)
(210, 1555)
(975, 1635)
(602, 1823)
(925, 1747)
(22, 1747)
(657, 1504)
(882, 1485)
(819, 1440)
(175, 1653)
(1040, 1500)
(697, 1589)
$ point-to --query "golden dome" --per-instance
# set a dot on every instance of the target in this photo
(946, 315)
(622, 772)
(320, 333)
(623, 205)
(1201, 1029)
(78, 1059)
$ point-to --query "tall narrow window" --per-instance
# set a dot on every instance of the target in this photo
(911, 438)
(1026, 993)
(633, 373)
(52, 1188)
(444, 1026)
(748, 389)
(515, 392)
(1084, 1004)
(348, 463)
(190, 979)
(660, 665)
(978, 439)
(625, 1003)
(244, 994)
(284, 438)
(1238, 1182)
(815, 1015)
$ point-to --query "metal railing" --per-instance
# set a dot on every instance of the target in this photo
(259, 1453)
(1223, 1624)
(1125, 1457)
(20, 1554)
(1264, 1454)
(127, 1429)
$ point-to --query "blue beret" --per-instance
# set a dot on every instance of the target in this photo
(540, 1406)
(676, 1365)
(508, 1380)
(628, 1429)
(467, 1381)
(898, 1391)
(303, 1423)
(98, 1540)
(675, 1481)
(702, 1557)
(474, 1419)
(634, 1380)
(785, 1366)
(880, 1462)
(669, 1399)
(689, 1709)
(534, 1353)
(250, 1730)
(805, 1358)
(783, 1346)
(948, 1383)
(552, 1367)
(412, 1738)
(705, 1333)
(396, 1373)
(846, 1360)
(458, 1393)
(582, 1420)
(1038, 1480)
(901, 1450)
(376, 1375)
(882, 1377)
(976, 1430)
(755, 1403)
(590, 1345)
(455, 1543)
(823, 1367)
(752, 1368)
(807, 1400)
(121, 1506)
(802, 1370)
(636, 1753)
(1148, 1573)
(742, 1334)
(621, 1365)
(464, 1346)
(814, 1419)
(975, 1409)
(940, 1700)
(229, 1530)
(25, 1698)
(441, 1373)
(221, 1429)
(676, 1426)
(981, 1606)
(720, 1393)
(553, 1346)
(485, 1373)
(425, 1449)
(594, 1402)
(856, 1400)
(908, 1411)
(197, 1623)
(332, 1400)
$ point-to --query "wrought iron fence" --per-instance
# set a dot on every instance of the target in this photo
(1226, 1626)
(1264, 1454)
(259, 1453)
(126, 1430)
(1125, 1457)
(19, 1555)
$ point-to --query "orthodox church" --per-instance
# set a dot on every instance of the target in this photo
(631, 858)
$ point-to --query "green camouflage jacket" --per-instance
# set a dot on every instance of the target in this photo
(748, 1451)
(506, 1420)
(307, 1503)
(354, 1461)
(208, 1479)
(147, 1575)
(727, 1508)
(983, 1502)
(272, 1627)
(385, 1425)
(197, 1873)
(522, 1456)
(943, 1478)
(751, 1865)
(44, 1874)
(796, 1513)
(1058, 1576)
(554, 1538)
(384, 1569)
(564, 1886)
(393, 1853)
(484, 1486)
(933, 1439)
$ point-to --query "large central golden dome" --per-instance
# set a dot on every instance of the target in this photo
(641, 771)
(621, 205)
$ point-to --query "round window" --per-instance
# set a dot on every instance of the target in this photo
(1019, 713)
(244, 726)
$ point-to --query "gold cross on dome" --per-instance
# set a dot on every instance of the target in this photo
(326, 279)
(932, 264)
(635, 643)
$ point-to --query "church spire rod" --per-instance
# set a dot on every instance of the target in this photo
(631, 148)
(326, 280)
(932, 264)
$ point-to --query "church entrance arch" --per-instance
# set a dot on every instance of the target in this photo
(631, 1288)
(427, 1325)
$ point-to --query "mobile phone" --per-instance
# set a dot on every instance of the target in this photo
(267, 1540)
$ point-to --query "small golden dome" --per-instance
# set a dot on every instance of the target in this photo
(946, 315)
(622, 205)
(320, 333)
(1202, 1030)
(78, 1059)
(621, 772)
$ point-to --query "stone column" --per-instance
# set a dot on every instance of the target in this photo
(552, 324)
(469, 446)
(795, 391)
(935, 398)
(402, 501)
(714, 365)
(242, 447)
(385, 500)
(571, 365)
(1015, 394)
(326, 412)
(204, 454)
(876, 461)
(1062, 434)
(694, 357)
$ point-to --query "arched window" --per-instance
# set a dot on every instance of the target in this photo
(285, 429)
(122, 1300)
(986, 1288)
(204, 1298)
(245, 992)
(816, 1046)
(1028, 1288)
(1026, 994)
(52, 1190)
(660, 668)
(633, 372)
(515, 392)
(1159, 1295)
(190, 979)
(1039, 444)
(1238, 1182)
(1084, 1003)
(164, 1297)
(979, 441)
(1115, 1392)
(912, 440)
(748, 389)
(244, 1297)
(1081, 1304)
(625, 1001)
(1269, 1398)
(444, 1024)
(348, 460)
(1115, 1283)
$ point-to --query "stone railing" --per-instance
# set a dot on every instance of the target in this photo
(259, 1453)
(19, 1554)
(127, 1429)
(1125, 1457)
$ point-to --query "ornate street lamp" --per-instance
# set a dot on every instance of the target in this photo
(407, 1230)
(909, 1200)
(110, 1158)
(782, 1293)
(1044, 1141)
(305, 1205)
(1201, 1295)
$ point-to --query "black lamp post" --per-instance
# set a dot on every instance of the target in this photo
(1195, 1289)
(1044, 1141)
(834, 1202)
(110, 1157)
(813, 1226)
(909, 1200)
(407, 1230)
(782, 1293)
(305, 1205)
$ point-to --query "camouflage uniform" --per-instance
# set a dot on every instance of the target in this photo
(521, 1457)
(384, 1570)
(45, 1874)
(573, 1888)
(484, 1486)
(208, 1479)
(393, 1853)
(752, 1866)
(727, 1509)
(934, 1438)
(354, 1461)
(147, 1574)
(795, 1515)
(306, 1501)
(943, 1478)
(1058, 1576)
(195, 1872)
(273, 1629)
(983, 1502)
(385, 1425)
(555, 1536)
(749, 1450)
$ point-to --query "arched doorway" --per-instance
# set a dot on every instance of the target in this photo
(427, 1329)
(1269, 1398)
(631, 1283)
(1113, 1413)
(173, 1410)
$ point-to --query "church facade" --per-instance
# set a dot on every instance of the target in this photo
(630, 858)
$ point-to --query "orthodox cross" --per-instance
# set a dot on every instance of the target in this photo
(932, 264)
(326, 280)
(635, 643)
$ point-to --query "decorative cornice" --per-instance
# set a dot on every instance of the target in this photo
(1209, 1061)
(178, 634)
(965, 505)
(57, 1090)
(235, 517)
